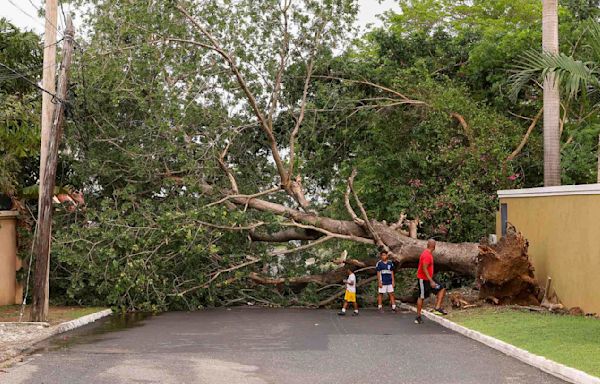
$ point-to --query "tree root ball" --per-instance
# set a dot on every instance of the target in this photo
(504, 272)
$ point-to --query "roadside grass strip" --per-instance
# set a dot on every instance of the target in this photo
(570, 340)
(567, 347)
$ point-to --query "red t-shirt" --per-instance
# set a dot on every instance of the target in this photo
(425, 258)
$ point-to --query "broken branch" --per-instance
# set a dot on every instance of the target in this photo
(366, 221)
(526, 137)
(247, 197)
(347, 203)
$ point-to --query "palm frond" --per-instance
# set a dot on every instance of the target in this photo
(571, 75)
(593, 30)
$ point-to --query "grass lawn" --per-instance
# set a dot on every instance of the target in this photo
(570, 340)
(56, 314)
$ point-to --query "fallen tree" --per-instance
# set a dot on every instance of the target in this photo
(503, 271)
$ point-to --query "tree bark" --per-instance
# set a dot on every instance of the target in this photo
(551, 97)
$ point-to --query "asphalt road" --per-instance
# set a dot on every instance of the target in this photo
(257, 346)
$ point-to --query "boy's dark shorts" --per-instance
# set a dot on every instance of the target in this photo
(425, 288)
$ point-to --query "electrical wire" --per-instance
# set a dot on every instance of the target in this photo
(37, 20)
(23, 72)
(24, 77)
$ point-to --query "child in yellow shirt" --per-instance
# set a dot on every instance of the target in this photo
(350, 295)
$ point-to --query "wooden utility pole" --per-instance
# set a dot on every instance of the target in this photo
(48, 78)
(39, 307)
(49, 84)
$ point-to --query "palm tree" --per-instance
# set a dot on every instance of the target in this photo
(551, 96)
(576, 79)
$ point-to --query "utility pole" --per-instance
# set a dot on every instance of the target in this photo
(49, 84)
(39, 307)
(48, 78)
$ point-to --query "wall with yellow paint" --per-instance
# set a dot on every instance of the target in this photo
(10, 292)
(562, 225)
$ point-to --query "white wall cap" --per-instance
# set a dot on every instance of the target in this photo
(563, 190)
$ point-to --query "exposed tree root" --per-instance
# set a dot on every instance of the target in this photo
(504, 273)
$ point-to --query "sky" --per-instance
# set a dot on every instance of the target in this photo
(27, 17)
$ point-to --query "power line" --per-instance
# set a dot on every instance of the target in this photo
(49, 45)
(22, 72)
(62, 10)
(40, 11)
(24, 77)
(37, 20)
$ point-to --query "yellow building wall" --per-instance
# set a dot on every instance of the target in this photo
(8, 259)
(564, 243)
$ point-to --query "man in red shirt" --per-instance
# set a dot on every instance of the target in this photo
(426, 283)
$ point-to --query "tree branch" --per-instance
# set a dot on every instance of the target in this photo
(400, 223)
(331, 234)
(526, 137)
(286, 235)
(217, 274)
(225, 169)
(214, 46)
(309, 71)
(367, 223)
(347, 203)
(301, 248)
(228, 228)
(283, 55)
(463, 123)
(381, 87)
(247, 197)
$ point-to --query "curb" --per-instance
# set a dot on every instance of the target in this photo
(561, 371)
(60, 328)
(84, 320)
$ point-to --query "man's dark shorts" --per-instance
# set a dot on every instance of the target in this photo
(425, 288)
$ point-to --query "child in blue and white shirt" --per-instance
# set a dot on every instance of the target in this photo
(385, 279)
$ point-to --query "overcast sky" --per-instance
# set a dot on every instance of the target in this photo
(26, 17)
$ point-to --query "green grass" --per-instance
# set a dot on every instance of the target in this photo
(571, 340)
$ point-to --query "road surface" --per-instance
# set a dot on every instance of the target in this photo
(258, 346)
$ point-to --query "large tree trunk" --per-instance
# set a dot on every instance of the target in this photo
(551, 97)
(503, 271)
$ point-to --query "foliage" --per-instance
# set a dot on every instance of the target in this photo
(417, 160)
(154, 105)
(20, 55)
(150, 115)
(145, 254)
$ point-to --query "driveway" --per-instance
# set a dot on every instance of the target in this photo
(257, 346)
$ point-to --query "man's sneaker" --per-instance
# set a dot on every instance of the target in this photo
(394, 310)
(341, 313)
(418, 320)
(354, 313)
(440, 312)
